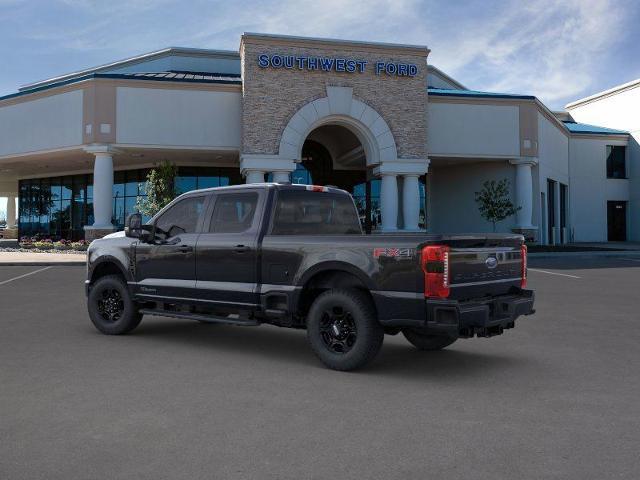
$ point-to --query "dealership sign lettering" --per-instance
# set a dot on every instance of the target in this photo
(333, 64)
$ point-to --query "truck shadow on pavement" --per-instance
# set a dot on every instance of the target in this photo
(268, 343)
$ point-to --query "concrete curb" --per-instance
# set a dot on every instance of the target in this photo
(616, 253)
(42, 264)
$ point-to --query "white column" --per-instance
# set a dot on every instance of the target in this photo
(11, 212)
(281, 176)
(411, 202)
(524, 192)
(410, 170)
(102, 186)
(254, 176)
(103, 190)
(389, 202)
(253, 166)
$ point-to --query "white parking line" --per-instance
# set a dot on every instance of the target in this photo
(25, 275)
(553, 273)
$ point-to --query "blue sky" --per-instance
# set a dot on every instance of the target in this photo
(557, 50)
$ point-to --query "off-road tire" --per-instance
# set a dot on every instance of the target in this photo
(105, 319)
(423, 341)
(359, 348)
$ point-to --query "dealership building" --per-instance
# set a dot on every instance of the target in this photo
(411, 144)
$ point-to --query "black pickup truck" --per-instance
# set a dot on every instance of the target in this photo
(295, 256)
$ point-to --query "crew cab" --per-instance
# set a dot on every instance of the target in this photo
(295, 256)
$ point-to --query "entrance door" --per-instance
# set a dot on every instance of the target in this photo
(563, 212)
(551, 211)
(543, 220)
(617, 221)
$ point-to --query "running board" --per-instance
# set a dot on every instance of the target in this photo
(199, 317)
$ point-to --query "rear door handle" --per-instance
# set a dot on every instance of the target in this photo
(241, 249)
(185, 249)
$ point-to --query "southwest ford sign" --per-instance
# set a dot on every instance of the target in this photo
(333, 64)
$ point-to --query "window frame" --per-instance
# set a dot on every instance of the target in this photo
(625, 175)
(258, 216)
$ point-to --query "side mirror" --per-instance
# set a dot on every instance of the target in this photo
(133, 226)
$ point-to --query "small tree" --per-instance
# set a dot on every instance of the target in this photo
(160, 189)
(494, 201)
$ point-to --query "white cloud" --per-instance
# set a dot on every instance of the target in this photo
(546, 48)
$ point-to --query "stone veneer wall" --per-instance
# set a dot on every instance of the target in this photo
(271, 96)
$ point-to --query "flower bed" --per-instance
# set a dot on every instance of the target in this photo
(36, 244)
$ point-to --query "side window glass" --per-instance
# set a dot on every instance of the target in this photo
(182, 217)
(234, 212)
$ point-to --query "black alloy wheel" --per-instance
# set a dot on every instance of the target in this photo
(110, 305)
(338, 329)
(343, 329)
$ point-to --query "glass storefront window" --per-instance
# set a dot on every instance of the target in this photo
(301, 176)
(67, 188)
(186, 184)
(60, 207)
(118, 184)
(90, 186)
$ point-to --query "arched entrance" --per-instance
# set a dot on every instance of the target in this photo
(340, 140)
(333, 155)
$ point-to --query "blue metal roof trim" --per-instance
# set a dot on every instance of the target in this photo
(585, 128)
(444, 92)
(226, 79)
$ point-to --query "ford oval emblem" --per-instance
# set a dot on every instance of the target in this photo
(491, 262)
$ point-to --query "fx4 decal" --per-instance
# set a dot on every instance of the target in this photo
(393, 252)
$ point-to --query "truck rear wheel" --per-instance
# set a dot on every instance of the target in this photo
(111, 308)
(343, 330)
(423, 341)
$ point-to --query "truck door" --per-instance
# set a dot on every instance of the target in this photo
(167, 267)
(227, 250)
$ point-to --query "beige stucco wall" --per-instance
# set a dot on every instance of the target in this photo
(451, 196)
(590, 189)
(467, 129)
(620, 110)
(178, 117)
(54, 121)
(271, 96)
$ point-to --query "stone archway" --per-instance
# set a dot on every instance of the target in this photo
(340, 108)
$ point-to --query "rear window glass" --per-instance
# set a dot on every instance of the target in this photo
(300, 212)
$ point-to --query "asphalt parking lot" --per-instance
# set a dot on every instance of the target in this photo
(557, 397)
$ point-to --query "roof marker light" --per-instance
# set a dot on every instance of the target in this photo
(317, 188)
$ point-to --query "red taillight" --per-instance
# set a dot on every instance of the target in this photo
(435, 265)
(523, 255)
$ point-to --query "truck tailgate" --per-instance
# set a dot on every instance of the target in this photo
(484, 271)
(482, 266)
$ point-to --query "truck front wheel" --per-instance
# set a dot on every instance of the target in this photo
(111, 308)
(343, 330)
(423, 341)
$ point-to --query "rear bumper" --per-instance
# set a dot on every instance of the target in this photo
(480, 317)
